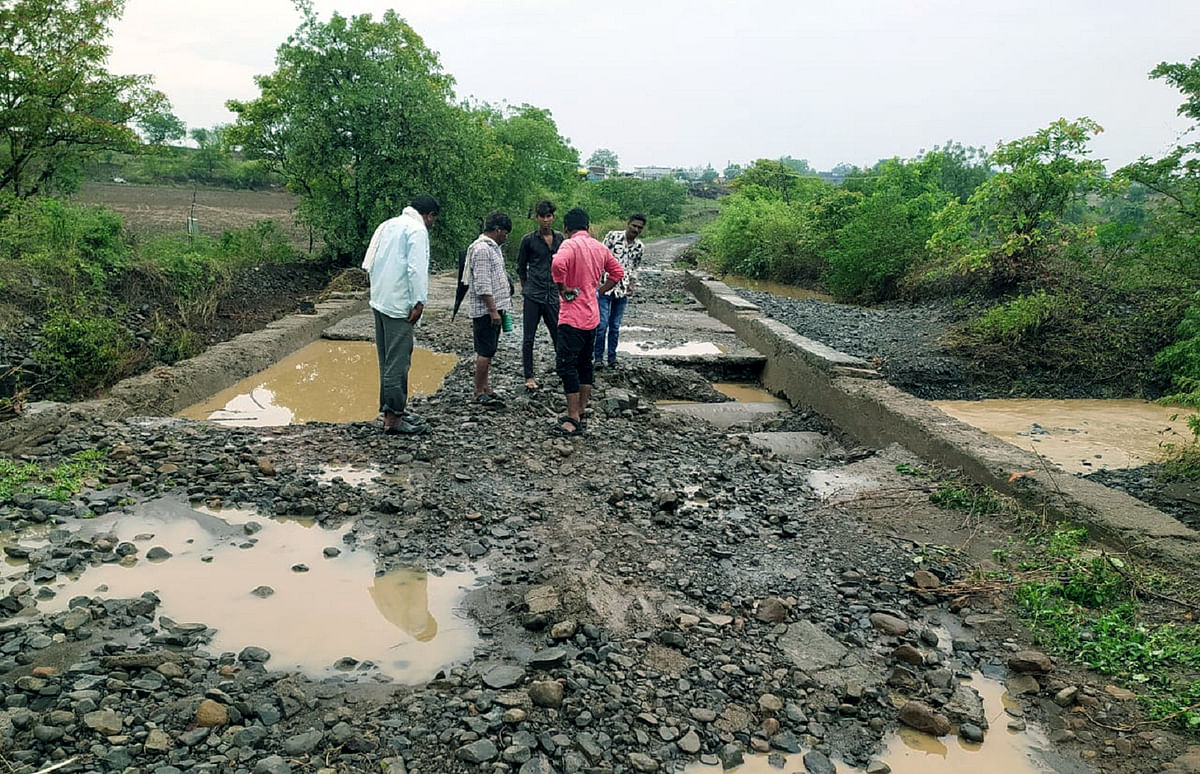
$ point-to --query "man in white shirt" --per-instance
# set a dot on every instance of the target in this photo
(398, 262)
(629, 251)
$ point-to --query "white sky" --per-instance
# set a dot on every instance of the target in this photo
(692, 82)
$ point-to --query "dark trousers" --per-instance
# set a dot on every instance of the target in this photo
(393, 345)
(534, 312)
(573, 357)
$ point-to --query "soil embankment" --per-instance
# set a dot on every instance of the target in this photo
(656, 592)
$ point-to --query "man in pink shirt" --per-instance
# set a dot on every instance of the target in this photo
(577, 268)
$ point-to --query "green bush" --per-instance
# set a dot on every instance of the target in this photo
(1021, 319)
(761, 238)
(79, 353)
(885, 236)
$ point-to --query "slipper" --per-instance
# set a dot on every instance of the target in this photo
(406, 428)
(558, 428)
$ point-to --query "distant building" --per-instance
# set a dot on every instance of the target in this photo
(595, 173)
(652, 173)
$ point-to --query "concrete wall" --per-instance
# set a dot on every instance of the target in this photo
(848, 391)
(166, 390)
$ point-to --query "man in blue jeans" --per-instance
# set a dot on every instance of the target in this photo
(629, 251)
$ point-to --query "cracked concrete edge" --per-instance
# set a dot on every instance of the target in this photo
(877, 413)
(166, 390)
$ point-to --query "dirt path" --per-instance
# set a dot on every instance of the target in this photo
(657, 593)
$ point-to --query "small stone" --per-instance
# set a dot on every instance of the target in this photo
(266, 467)
(1030, 662)
(922, 717)
(909, 655)
(769, 702)
(924, 579)
(971, 733)
(158, 554)
(106, 721)
(546, 693)
(262, 592)
(211, 714)
(563, 630)
(771, 610)
(514, 716)
(816, 762)
(480, 751)
(642, 762)
(689, 742)
(889, 624)
(730, 756)
(876, 766)
(1020, 685)
(1066, 697)
(1119, 694)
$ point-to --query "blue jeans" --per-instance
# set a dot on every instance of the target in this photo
(612, 309)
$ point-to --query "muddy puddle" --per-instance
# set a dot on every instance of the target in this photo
(326, 381)
(775, 288)
(1080, 435)
(912, 752)
(289, 586)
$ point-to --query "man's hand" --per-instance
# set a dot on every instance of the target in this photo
(415, 314)
(495, 315)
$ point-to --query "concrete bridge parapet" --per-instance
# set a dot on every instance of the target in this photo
(851, 394)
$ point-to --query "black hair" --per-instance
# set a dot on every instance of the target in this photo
(426, 204)
(544, 207)
(497, 221)
(637, 216)
(576, 220)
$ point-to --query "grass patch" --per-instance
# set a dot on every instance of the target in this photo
(57, 483)
(1094, 610)
(970, 498)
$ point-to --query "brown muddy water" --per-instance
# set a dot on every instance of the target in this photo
(326, 381)
(289, 586)
(1080, 435)
(775, 288)
(911, 752)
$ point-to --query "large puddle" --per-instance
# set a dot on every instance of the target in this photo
(913, 752)
(775, 288)
(289, 586)
(1080, 435)
(326, 381)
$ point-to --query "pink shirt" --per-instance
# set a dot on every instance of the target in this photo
(580, 263)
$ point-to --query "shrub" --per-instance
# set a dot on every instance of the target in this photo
(80, 353)
(1021, 319)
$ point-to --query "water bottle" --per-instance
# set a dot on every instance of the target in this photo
(506, 321)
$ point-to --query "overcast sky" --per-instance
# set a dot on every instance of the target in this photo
(692, 82)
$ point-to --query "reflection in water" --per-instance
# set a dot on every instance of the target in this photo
(1080, 435)
(326, 381)
(775, 288)
(299, 592)
(652, 348)
(912, 752)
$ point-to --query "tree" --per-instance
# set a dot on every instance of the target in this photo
(603, 157)
(732, 170)
(58, 103)
(211, 152)
(799, 165)
(1014, 221)
(539, 163)
(1176, 175)
(709, 175)
(358, 118)
(161, 127)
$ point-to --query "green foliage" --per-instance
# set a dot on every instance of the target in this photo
(58, 103)
(51, 252)
(1020, 319)
(975, 500)
(58, 483)
(162, 126)
(80, 353)
(1013, 225)
(603, 157)
(359, 117)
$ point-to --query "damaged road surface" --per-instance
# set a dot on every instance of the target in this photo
(661, 594)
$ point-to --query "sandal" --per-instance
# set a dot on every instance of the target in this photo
(576, 427)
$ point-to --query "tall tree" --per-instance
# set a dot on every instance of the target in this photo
(539, 161)
(161, 127)
(58, 102)
(358, 118)
(603, 157)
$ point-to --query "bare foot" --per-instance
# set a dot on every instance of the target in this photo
(530, 384)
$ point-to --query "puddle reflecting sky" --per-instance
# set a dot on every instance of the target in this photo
(912, 752)
(1080, 435)
(655, 348)
(405, 622)
(326, 381)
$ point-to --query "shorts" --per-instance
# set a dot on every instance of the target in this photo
(486, 334)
